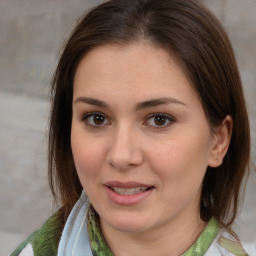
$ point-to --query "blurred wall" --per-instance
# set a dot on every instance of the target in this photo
(31, 34)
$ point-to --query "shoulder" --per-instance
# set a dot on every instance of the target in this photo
(45, 240)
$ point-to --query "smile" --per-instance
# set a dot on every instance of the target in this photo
(129, 191)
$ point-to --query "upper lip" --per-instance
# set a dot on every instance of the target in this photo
(129, 184)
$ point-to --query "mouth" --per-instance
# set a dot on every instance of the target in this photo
(129, 191)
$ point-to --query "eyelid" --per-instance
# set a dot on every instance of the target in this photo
(170, 118)
(86, 116)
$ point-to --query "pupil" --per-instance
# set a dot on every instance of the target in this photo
(98, 120)
(159, 120)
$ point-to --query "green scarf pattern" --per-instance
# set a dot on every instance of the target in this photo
(45, 240)
(98, 244)
(204, 241)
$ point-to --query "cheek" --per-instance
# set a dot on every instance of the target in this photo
(87, 162)
(87, 156)
(180, 160)
(180, 172)
(168, 157)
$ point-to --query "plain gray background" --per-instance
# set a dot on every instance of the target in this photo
(32, 33)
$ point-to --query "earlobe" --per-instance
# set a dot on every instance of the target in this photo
(221, 142)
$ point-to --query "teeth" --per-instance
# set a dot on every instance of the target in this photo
(128, 191)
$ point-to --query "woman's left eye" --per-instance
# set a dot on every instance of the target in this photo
(160, 120)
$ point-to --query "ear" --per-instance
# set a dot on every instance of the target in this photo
(220, 142)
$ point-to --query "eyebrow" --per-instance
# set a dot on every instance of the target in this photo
(156, 102)
(139, 106)
(92, 101)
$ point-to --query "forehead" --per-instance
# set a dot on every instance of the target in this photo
(129, 65)
(120, 60)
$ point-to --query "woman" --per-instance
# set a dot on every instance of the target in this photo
(146, 148)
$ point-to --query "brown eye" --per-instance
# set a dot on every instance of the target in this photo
(95, 120)
(98, 119)
(160, 120)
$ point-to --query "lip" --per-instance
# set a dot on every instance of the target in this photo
(127, 200)
(129, 184)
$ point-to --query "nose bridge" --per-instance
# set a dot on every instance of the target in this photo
(124, 149)
(123, 136)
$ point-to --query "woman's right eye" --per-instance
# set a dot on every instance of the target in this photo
(95, 120)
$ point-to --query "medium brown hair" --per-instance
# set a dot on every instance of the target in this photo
(190, 31)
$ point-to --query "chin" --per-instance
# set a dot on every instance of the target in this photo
(128, 224)
(130, 227)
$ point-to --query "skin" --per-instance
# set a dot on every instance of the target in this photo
(123, 142)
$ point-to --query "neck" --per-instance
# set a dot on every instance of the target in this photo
(169, 239)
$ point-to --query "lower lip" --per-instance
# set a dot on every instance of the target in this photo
(127, 200)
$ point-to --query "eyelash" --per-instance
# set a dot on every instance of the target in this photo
(86, 117)
(167, 118)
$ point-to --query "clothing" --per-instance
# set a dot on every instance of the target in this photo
(81, 236)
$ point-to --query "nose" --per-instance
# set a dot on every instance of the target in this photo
(125, 151)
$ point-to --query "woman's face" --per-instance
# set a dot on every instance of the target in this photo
(140, 139)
